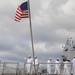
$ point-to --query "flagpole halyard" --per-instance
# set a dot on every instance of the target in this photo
(31, 35)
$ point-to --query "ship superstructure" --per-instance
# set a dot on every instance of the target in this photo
(69, 49)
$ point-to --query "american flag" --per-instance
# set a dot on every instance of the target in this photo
(21, 12)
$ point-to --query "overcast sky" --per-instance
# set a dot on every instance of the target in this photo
(53, 21)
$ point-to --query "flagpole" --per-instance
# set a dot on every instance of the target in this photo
(31, 35)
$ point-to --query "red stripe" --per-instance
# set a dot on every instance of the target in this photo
(19, 8)
(25, 14)
(20, 14)
(16, 16)
(19, 11)
(17, 20)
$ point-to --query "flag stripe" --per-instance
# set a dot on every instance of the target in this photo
(21, 12)
(17, 20)
(24, 16)
(18, 14)
(16, 17)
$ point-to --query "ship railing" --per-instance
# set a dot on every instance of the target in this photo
(9, 68)
(14, 68)
(42, 68)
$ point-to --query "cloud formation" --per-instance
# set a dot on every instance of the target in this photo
(52, 22)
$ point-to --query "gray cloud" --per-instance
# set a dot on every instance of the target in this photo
(52, 22)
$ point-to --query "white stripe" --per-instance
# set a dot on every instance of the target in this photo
(17, 19)
(18, 12)
(17, 16)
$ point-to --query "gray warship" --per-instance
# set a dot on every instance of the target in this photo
(69, 49)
